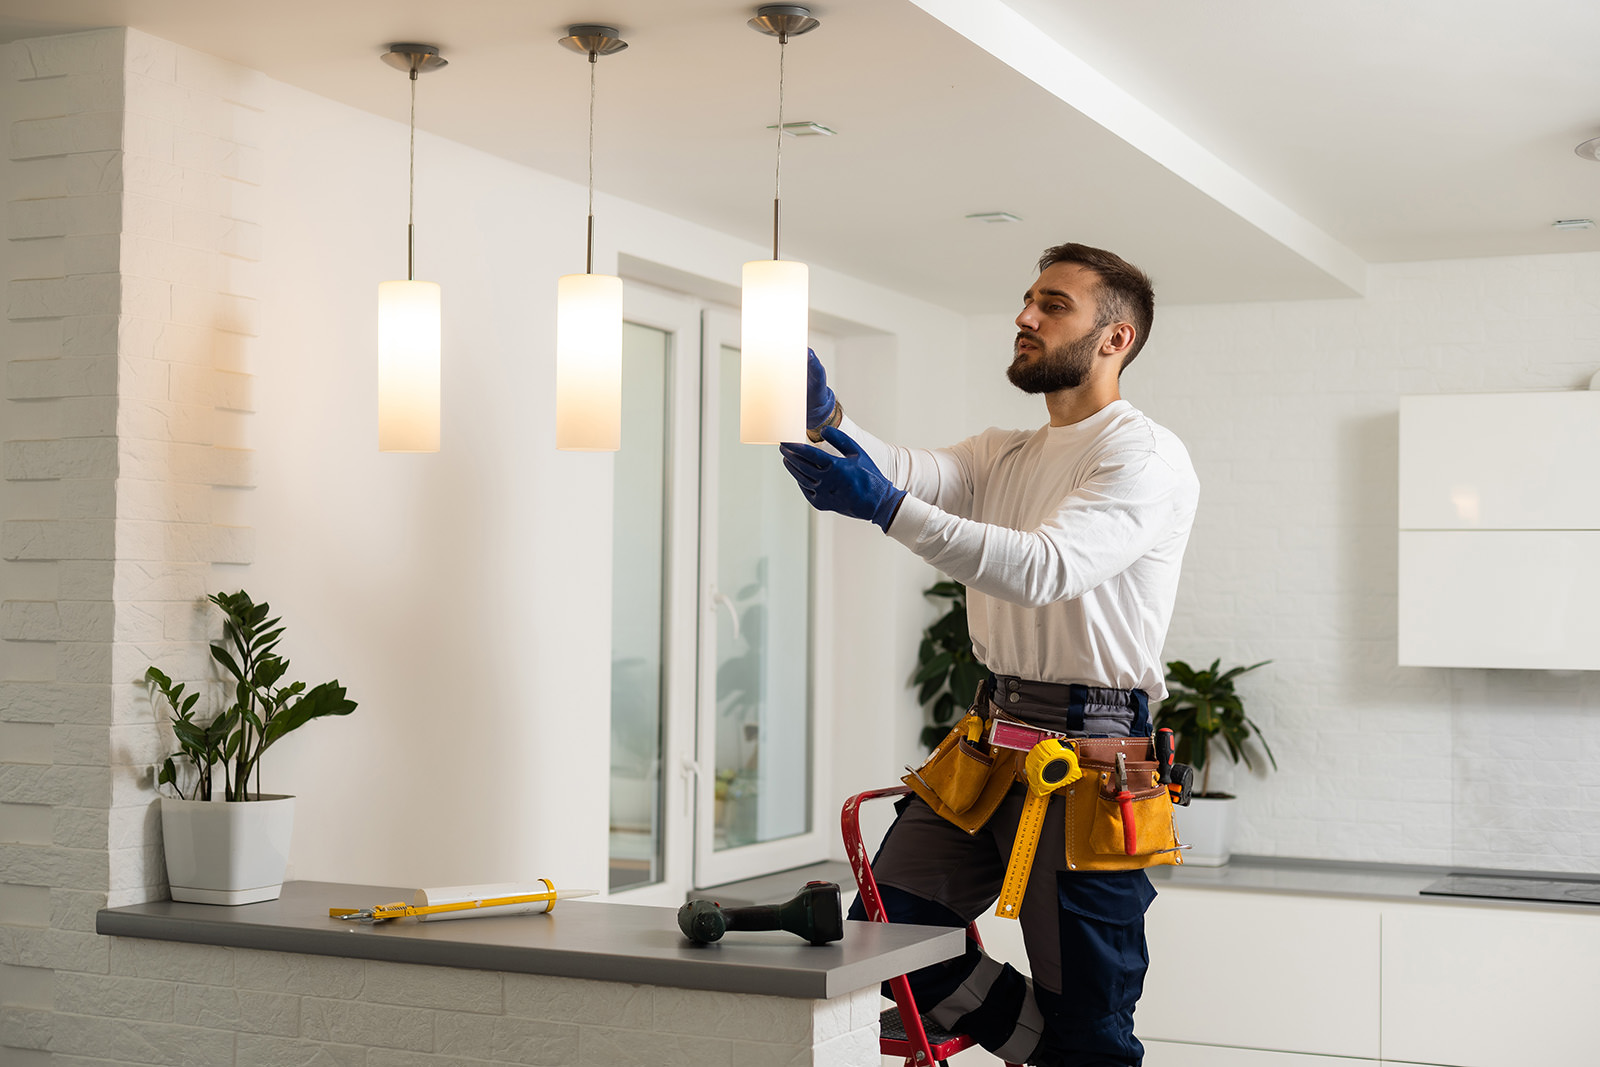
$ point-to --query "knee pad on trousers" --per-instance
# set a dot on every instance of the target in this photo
(993, 1022)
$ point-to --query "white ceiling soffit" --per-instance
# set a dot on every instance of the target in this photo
(1423, 130)
(1009, 37)
(1235, 149)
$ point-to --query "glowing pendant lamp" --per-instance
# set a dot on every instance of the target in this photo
(776, 297)
(589, 311)
(408, 312)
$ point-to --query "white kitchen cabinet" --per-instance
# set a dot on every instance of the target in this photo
(1484, 987)
(1241, 978)
(1262, 971)
(1499, 531)
(1520, 599)
(1500, 461)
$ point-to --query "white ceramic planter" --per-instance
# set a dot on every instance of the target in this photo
(221, 853)
(1206, 825)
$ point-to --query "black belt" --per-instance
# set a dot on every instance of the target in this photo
(1066, 705)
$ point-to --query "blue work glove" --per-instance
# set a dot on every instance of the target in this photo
(819, 398)
(849, 483)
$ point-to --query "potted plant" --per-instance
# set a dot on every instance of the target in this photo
(948, 673)
(225, 842)
(1207, 716)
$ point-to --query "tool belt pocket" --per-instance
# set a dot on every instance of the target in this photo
(1152, 823)
(963, 779)
(958, 773)
(1098, 836)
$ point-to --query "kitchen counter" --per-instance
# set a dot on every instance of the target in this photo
(1372, 881)
(586, 939)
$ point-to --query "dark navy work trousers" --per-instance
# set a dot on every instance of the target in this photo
(1086, 943)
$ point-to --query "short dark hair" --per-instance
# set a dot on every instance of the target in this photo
(1124, 294)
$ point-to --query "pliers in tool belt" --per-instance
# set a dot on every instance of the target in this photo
(1130, 829)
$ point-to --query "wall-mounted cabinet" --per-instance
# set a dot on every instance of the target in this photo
(1500, 531)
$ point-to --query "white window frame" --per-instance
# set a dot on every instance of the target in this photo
(679, 318)
(719, 328)
(689, 860)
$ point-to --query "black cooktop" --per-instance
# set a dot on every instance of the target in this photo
(1512, 887)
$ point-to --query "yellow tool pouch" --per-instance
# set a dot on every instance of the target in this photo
(964, 779)
(1096, 834)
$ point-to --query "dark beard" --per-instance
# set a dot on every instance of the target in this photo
(1063, 367)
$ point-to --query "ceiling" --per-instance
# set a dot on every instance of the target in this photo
(1237, 149)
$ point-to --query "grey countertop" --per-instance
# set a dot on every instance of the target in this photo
(1383, 881)
(579, 939)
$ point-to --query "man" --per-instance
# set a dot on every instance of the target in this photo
(1069, 539)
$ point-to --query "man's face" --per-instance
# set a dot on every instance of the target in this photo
(1057, 335)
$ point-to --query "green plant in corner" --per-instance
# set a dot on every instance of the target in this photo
(948, 673)
(262, 712)
(1200, 708)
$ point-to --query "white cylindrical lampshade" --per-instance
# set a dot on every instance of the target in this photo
(772, 366)
(589, 363)
(408, 366)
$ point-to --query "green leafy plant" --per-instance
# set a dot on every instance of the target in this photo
(262, 711)
(1201, 708)
(948, 673)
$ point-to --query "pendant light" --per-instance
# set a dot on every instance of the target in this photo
(409, 330)
(774, 317)
(589, 311)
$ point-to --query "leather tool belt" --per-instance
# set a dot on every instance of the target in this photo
(1118, 815)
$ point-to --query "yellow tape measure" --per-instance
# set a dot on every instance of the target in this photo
(1050, 765)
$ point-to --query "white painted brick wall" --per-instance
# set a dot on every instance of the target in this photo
(1290, 413)
(129, 178)
(167, 1003)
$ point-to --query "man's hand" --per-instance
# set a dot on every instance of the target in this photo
(849, 483)
(820, 400)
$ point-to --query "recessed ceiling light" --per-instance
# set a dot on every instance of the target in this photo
(805, 129)
(1572, 224)
(1589, 149)
(995, 216)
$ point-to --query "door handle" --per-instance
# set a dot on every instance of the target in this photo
(722, 600)
(690, 771)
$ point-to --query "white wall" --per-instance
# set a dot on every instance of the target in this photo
(1290, 411)
(464, 597)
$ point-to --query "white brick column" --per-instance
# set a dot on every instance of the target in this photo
(63, 128)
(130, 188)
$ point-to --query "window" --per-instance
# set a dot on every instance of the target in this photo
(714, 734)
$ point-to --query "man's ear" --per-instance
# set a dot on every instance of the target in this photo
(1119, 340)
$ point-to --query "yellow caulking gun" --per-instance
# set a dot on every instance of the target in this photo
(1051, 764)
(401, 910)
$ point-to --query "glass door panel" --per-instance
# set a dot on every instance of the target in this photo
(637, 602)
(763, 706)
(714, 660)
(758, 805)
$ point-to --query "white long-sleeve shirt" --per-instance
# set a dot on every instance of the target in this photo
(1069, 540)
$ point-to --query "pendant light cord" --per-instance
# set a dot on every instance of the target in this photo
(588, 262)
(411, 181)
(777, 178)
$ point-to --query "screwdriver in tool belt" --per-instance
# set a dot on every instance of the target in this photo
(1164, 754)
